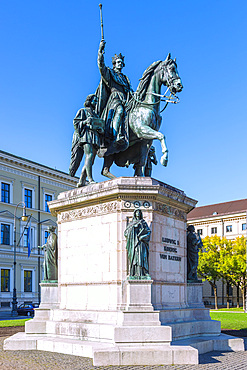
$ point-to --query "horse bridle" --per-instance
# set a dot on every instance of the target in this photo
(172, 98)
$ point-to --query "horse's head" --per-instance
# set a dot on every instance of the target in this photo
(170, 76)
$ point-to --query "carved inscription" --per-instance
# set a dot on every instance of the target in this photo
(170, 249)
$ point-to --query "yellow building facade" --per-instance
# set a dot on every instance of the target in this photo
(25, 183)
(226, 220)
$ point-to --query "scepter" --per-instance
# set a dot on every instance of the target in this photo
(101, 22)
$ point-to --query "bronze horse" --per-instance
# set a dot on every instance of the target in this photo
(144, 119)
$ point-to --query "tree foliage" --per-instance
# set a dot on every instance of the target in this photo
(224, 259)
(208, 265)
(238, 265)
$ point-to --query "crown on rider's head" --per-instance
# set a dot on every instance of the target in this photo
(119, 56)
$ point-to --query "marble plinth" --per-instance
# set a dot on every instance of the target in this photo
(96, 311)
(49, 301)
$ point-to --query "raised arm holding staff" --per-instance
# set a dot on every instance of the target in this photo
(101, 22)
(113, 93)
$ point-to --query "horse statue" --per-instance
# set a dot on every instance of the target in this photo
(144, 119)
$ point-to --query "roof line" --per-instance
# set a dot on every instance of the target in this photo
(229, 201)
(36, 163)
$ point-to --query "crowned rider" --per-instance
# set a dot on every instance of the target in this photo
(113, 93)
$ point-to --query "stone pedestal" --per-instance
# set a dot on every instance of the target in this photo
(98, 312)
(194, 294)
(49, 295)
(139, 295)
(49, 301)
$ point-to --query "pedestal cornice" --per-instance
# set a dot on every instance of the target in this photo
(122, 189)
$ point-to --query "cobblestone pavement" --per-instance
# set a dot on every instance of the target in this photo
(39, 360)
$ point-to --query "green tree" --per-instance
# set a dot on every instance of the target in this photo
(226, 259)
(238, 266)
(208, 265)
(226, 266)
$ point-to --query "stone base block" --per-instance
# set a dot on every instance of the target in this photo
(184, 330)
(49, 296)
(210, 343)
(117, 318)
(141, 318)
(139, 295)
(35, 327)
(194, 294)
(143, 334)
(20, 341)
(101, 332)
(158, 355)
(38, 324)
(177, 315)
(104, 354)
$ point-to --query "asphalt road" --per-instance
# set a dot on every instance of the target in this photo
(6, 315)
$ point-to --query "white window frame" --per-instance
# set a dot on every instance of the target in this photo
(11, 240)
(44, 194)
(29, 268)
(28, 187)
(230, 231)
(11, 276)
(213, 228)
(10, 183)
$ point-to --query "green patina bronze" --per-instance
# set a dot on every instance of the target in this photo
(194, 243)
(140, 114)
(137, 234)
(151, 158)
(86, 140)
(130, 120)
(50, 256)
(114, 92)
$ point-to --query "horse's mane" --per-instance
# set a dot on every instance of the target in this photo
(143, 86)
(144, 81)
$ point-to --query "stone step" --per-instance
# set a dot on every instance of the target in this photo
(182, 330)
(179, 352)
(101, 317)
(101, 332)
(208, 343)
(105, 354)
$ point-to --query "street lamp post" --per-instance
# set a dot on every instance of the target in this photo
(24, 218)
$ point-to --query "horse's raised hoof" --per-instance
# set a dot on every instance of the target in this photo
(105, 172)
(164, 160)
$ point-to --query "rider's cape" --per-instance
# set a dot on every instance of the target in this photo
(103, 93)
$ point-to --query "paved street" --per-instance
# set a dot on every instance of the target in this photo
(39, 360)
(6, 315)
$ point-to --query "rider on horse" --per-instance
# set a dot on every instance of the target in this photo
(113, 93)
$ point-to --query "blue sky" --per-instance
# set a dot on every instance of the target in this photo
(48, 66)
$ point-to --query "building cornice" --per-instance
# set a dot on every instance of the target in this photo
(36, 169)
(218, 220)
